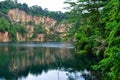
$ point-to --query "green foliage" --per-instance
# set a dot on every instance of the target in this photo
(52, 37)
(85, 16)
(34, 36)
(20, 29)
(98, 32)
(112, 28)
(4, 25)
(13, 28)
(31, 23)
(51, 28)
(39, 29)
(7, 26)
(13, 32)
(6, 5)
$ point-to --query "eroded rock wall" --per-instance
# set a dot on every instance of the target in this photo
(20, 16)
(4, 36)
(17, 15)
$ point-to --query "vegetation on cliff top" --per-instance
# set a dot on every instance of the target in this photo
(6, 25)
(35, 10)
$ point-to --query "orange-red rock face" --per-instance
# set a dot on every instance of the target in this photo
(20, 16)
(4, 37)
(17, 15)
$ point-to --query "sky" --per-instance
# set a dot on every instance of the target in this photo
(52, 5)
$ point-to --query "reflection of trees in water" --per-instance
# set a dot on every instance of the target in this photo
(19, 61)
(84, 61)
(22, 60)
(13, 68)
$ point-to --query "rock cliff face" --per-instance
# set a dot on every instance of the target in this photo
(50, 25)
(4, 36)
(17, 15)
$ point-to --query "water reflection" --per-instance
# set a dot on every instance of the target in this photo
(42, 61)
(20, 60)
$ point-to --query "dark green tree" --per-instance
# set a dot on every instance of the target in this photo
(4, 25)
(85, 16)
(20, 29)
(39, 29)
(110, 20)
(98, 27)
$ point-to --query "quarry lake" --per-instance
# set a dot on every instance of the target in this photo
(41, 61)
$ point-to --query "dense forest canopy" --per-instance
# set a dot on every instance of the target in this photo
(96, 29)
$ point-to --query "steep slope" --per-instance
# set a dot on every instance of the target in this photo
(38, 28)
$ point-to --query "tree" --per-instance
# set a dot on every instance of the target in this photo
(85, 19)
(98, 29)
(39, 29)
(20, 29)
(4, 25)
(110, 18)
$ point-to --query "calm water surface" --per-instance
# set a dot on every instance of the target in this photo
(39, 61)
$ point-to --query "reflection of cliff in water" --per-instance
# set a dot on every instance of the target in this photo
(19, 61)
